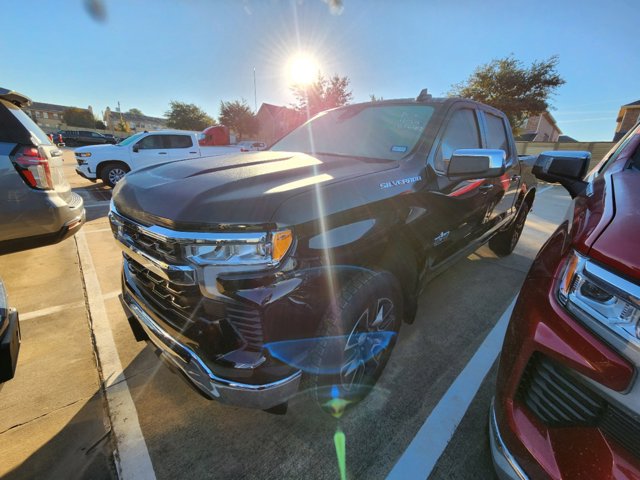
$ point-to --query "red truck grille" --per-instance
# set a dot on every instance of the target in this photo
(561, 400)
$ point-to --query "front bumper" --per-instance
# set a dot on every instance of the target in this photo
(506, 466)
(262, 396)
(10, 347)
(83, 171)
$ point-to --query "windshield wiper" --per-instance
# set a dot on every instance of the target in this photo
(355, 157)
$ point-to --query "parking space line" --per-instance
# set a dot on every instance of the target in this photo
(132, 456)
(104, 203)
(61, 308)
(427, 446)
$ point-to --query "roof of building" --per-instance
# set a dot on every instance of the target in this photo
(51, 107)
(133, 117)
(526, 137)
(633, 104)
(566, 139)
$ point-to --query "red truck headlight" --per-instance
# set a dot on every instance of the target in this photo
(591, 292)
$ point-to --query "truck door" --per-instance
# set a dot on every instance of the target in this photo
(150, 151)
(458, 209)
(181, 146)
(502, 197)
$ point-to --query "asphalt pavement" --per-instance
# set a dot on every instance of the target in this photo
(72, 404)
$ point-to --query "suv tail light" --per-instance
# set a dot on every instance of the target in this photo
(33, 168)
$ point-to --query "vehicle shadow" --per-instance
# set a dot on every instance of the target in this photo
(82, 449)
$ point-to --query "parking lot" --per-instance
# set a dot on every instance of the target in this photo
(87, 394)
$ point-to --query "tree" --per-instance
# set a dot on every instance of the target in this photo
(78, 117)
(373, 98)
(237, 115)
(99, 124)
(187, 116)
(322, 94)
(508, 85)
(135, 111)
(123, 126)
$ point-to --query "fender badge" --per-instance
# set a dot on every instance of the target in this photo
(402, 181)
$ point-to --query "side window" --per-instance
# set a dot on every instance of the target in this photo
(496, 133)
(151, 142)
(461, 132)
(178, 141)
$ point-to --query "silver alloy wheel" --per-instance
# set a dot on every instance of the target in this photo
(360, 348)
(116, 174)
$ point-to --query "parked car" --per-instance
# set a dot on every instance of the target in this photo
(249, 270)
(567, 402)
(112, 162)
(76, 138)
(37, 206)
(112, 137)
(252, 146)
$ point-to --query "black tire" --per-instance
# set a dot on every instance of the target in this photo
(504, 242)
(364, 318)
(112, 173)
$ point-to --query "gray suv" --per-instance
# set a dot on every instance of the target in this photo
(37, 206)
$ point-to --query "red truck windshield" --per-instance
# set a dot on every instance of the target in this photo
(375, 131)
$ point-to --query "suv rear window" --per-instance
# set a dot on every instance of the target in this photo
(17, 127)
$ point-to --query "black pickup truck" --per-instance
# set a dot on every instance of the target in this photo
(251, 273)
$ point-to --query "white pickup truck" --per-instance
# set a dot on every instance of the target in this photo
(111, 162)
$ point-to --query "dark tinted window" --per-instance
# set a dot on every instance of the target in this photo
(178, 141)
(461, 132)
(496, 133)
(151, 142)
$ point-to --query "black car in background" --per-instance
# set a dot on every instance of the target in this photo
(77, 138)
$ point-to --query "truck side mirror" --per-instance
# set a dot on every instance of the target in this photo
(477, 163)
(136, 148)
(568, 168)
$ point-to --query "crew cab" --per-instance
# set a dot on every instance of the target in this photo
(251, 272)
(567, 402)
(112, 162)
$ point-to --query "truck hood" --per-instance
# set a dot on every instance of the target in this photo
(231, 190)
(617, 246)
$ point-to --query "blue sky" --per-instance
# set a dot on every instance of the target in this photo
(147, 53)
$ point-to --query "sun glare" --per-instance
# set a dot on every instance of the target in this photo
(303, 69)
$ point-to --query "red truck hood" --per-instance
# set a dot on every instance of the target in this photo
(619, 244)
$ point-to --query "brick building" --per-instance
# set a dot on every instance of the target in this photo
(275, 122)
(137, 123)
(629, 115)
(540, 128)
(49, 116)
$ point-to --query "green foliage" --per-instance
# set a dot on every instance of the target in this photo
(135, 111)
(78, 117)
(322, 94)
(237, 115)
(373, 98)
(187, 116)
(506, 84)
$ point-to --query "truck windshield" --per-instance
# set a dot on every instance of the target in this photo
(131, 139)
(373, 131)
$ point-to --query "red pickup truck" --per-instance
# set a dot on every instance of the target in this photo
(567, 403)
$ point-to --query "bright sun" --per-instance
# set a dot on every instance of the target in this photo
(302, 69)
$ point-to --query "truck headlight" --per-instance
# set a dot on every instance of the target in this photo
(83, 154)
(241, 252)
(592, 292)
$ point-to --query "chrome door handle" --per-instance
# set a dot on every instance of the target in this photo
(485, 188)
(515, 178)
(162, 153)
